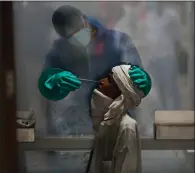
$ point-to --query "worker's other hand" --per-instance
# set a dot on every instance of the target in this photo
(55, 84)
(141, 79)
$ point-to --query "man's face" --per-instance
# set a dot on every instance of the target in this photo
(73, 28)
(109, 88)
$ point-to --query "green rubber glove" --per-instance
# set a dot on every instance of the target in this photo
(64, 80)
(141, 79)
(56, 84)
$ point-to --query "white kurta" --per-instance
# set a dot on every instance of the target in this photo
(117, 144)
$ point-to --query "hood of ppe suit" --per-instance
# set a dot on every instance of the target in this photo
(111, 110)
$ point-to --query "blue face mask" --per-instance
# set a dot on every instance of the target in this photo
(81, 38)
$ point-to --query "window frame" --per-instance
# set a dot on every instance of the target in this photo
(9, 145)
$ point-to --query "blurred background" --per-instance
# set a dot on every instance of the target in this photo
(164, 36)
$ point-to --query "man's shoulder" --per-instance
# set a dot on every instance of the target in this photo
(120, 38)
(118, 35)
(59, 41)
(59, 48)
(59, 45)
(116, 32)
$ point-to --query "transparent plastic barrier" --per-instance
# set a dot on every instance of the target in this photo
(34, 35)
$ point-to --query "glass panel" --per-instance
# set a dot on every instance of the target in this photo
(156, 30)
(153, 161)
(155, 34)
(34, 36)
(166, 161)
(165, 45)
(42, 162)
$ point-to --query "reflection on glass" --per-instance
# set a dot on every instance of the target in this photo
(73, 162)
(159, 36)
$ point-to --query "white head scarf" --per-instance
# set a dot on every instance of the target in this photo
(111, 110)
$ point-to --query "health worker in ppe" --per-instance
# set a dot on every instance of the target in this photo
(85, 49)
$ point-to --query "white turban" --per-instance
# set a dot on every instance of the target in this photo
(113, 109)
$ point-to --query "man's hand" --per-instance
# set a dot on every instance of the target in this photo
(55, 84)
(64, 80)
(141, 79)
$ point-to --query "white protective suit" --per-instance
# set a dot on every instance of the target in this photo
(117, 138)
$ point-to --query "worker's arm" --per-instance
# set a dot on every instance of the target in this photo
(130, 55)
(52, 60)
(55, 81)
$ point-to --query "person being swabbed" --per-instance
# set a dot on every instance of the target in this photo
(88, 50)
